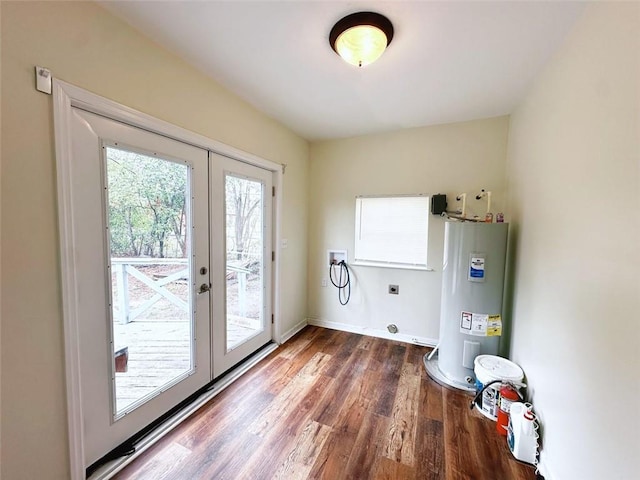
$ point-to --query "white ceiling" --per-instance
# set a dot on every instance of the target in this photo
(448, 61)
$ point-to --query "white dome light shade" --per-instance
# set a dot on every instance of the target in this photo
(360, 38)
(361, 45)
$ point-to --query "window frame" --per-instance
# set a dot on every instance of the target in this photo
(404, 240)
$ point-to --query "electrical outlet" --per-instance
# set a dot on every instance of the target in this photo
(394, 289)
(324, 282)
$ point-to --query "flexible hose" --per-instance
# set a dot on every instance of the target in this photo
(343, 282)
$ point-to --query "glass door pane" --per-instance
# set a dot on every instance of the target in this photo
(244, 227)
(149, 230)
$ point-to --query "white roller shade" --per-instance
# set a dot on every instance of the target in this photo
(392, 231)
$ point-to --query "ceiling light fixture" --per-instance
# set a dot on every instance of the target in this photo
(360, 38)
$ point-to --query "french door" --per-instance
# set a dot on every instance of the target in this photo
(241, 236)
(172, 256)
(142, 254)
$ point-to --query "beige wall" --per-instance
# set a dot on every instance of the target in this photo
(574, 153)
(449, 159)
(84, 45)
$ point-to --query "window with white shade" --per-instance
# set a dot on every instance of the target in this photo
(392, 231)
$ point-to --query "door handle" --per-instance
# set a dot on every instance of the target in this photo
(204, 288)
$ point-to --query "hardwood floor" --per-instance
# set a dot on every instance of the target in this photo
(334, 405)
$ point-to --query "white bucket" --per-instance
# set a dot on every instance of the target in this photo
(488, 368)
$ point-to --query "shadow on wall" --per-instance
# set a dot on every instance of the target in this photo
(509, 289)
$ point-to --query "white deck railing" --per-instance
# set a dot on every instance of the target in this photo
(123, 267)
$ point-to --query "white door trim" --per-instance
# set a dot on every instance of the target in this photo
(66, 96)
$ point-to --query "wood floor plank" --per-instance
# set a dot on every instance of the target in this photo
(226, 415)
(487, 444)
(342, 355)
(335, 341)
(280, 440)
(462, 460)
(400, 445)
(371, 390)
(413, 359)
(218, 451)
(301, 458)
(386, 469)
(221, 459)
(366, 449)
(334, 456)
(319, 342)
(163, 466)
(366, 342)
(348, 382)
(386, 359)
(430, 449)
(334, 405)
(287, 400)
(333, 459)
(431, 400)
(378, 353)
(305, 338)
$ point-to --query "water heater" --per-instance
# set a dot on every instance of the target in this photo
(471, 311)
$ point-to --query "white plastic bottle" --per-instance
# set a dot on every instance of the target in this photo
(522, 434)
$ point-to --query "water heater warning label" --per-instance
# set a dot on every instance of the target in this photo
(476, 268)
(480, 324)
(494, 326)
(465, 323)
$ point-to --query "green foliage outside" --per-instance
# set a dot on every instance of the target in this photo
(147, 211)
(148, 214)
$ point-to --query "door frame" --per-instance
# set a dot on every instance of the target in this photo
(66, 96)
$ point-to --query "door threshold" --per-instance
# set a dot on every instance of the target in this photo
(109, 469)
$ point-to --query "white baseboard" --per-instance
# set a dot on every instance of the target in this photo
(292, 331)
(374, 332)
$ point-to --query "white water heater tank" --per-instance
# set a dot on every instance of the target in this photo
(471, 310)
